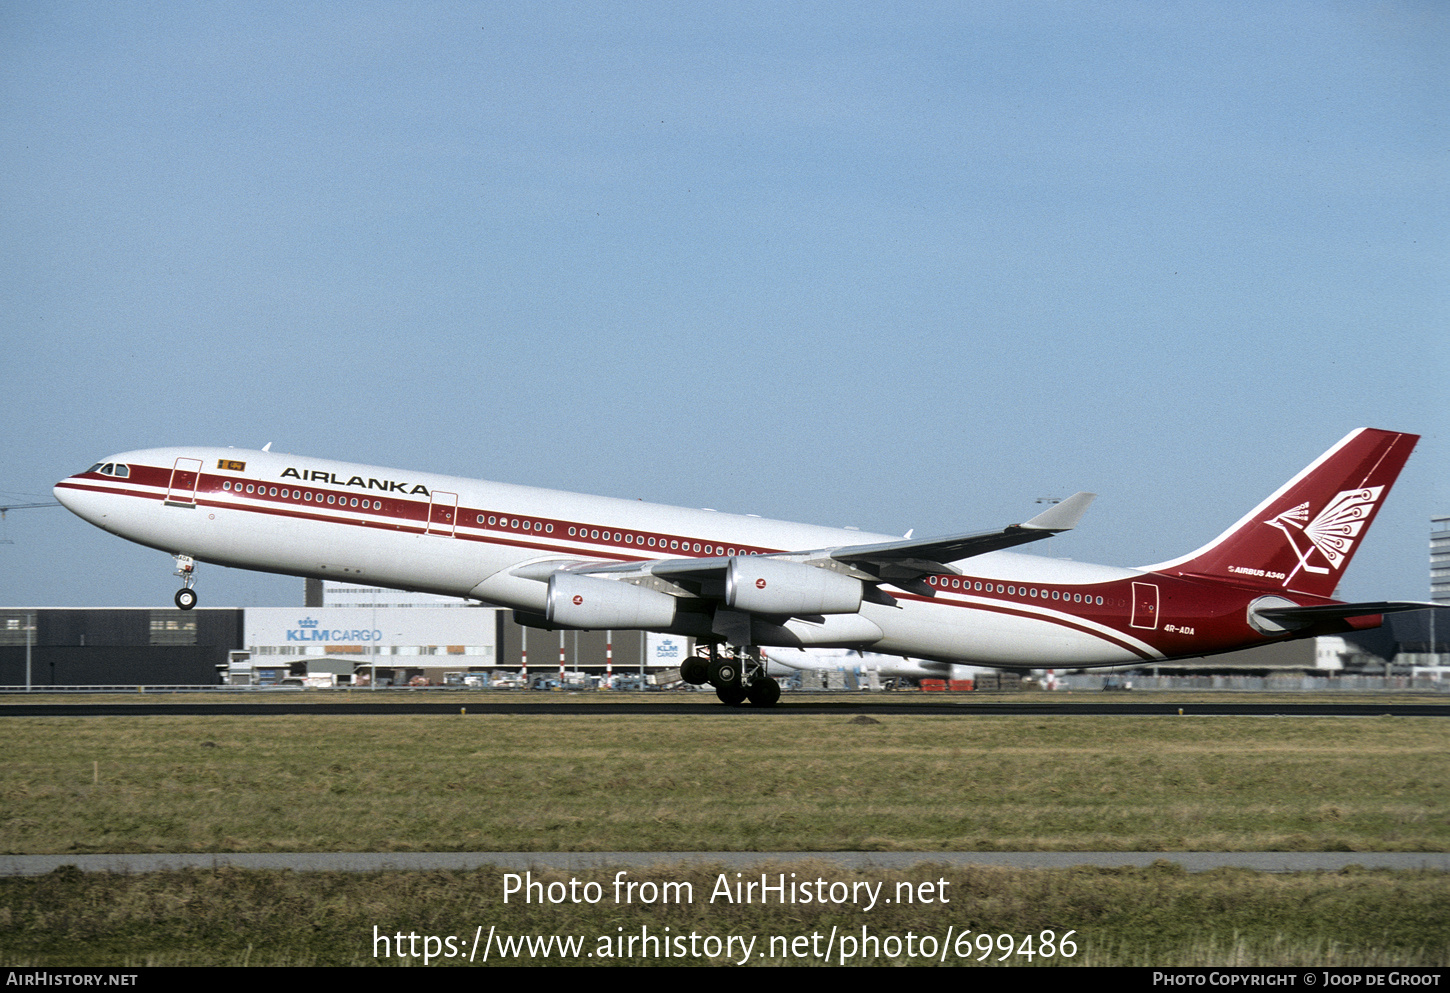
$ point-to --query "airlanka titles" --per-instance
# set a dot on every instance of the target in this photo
(322, 476)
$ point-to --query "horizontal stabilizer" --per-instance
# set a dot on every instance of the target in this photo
(1294, 616)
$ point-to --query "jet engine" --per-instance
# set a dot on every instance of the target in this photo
(584, 602)
(762, 585)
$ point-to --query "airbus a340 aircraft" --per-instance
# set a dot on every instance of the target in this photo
(562, 560)
(786, 660)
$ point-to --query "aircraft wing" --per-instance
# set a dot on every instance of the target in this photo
(908, 559)
(899, 563)
(541, 569)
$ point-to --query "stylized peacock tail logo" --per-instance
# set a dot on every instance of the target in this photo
(1332, 531)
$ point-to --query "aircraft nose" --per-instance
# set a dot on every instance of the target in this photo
(82, 503)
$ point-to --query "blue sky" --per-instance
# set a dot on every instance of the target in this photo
(869, 264)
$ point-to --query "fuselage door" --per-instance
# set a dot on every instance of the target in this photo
(442, 512)
(1145, 606)
(181, 490)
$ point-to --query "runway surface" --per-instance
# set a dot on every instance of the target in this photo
(132, 706)
(34, 865)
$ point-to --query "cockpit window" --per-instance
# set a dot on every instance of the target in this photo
(120, 469)
(123, 470)
(95, 468)
(109, 469)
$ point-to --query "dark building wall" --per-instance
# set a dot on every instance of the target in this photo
(1412, 631)
(93, 627)
(220, 629)
(68, 665)
(98, 646)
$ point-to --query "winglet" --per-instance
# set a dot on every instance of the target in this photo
(1062, 516)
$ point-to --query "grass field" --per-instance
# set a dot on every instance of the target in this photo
(1159, 916)
(726, 781)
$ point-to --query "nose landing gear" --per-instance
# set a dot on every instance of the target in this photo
(186, 569)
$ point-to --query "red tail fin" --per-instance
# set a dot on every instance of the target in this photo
(1302, 538)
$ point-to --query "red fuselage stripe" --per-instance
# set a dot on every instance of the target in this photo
(411, 517)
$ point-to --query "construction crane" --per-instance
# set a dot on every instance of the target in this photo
(6, 508)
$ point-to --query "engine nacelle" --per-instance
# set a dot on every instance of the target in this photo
(584, 602)
(762, 585)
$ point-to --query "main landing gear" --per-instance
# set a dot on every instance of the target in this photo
(186, 569)
(738, 675)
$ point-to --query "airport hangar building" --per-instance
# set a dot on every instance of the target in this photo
(347, 634)
(343, 635)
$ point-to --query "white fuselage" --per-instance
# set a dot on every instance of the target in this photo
(304, 516)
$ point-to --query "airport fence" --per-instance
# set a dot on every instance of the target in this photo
(1295, 683)
(1081, 682)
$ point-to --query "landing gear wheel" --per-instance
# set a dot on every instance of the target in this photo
(724, 672)
(764, 692)
(732, 696)
(695, 671)
(186, 569)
